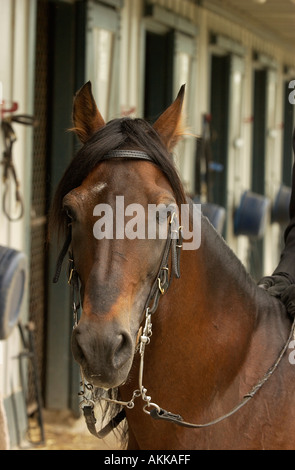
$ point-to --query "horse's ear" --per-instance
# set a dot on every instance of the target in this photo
(169, 124)
(86, 117)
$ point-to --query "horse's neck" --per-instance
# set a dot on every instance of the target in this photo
(230, 284)
(215, 334)
(224, 311)
(230, 291)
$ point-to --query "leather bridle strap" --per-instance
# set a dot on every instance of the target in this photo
(62, 255)
(133, 154)
(91, 422)
(163, 280)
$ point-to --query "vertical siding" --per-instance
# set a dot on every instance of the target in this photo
(252, 43)
(131, 54)
(17, 26)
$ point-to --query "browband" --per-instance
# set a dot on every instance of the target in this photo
(127, 154)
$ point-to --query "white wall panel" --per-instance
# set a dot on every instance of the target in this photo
(17, 26)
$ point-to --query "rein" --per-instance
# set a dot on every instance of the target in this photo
(160, 286)
(157, 412)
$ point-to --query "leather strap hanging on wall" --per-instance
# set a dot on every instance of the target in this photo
(9, 170)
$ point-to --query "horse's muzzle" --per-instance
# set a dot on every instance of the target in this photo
(105, 353)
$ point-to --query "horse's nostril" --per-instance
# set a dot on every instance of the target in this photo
(77, 349)
(123, 350)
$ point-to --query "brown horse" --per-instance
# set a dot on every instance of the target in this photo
(215, 333)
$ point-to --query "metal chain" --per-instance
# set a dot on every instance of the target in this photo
(88, 389)
(144, 341)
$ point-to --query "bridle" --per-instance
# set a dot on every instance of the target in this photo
(166, 273)
(169, 268)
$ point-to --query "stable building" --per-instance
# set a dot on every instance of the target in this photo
(237, 61)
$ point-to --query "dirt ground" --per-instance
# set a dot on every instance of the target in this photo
(64, 432)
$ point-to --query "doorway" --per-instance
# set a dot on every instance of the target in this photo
(258, 161)
(287, 137)
(219, 109)
(158, 89)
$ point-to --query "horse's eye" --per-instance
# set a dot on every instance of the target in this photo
(69, 212)
(161, 217)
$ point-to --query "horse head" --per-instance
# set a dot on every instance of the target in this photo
(104, 204)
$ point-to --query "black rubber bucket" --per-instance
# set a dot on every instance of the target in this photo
(280, 209)
(251, 215)
(13, 273)
(216, 214)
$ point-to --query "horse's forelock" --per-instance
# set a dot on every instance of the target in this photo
(118, 133)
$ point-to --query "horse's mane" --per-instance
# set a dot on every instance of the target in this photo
(118, 133)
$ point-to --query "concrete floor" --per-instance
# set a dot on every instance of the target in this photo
(64, 432)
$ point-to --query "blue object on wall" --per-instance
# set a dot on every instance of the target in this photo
(215, 214)
(250, 216)
(280, 209)
(13, 270)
